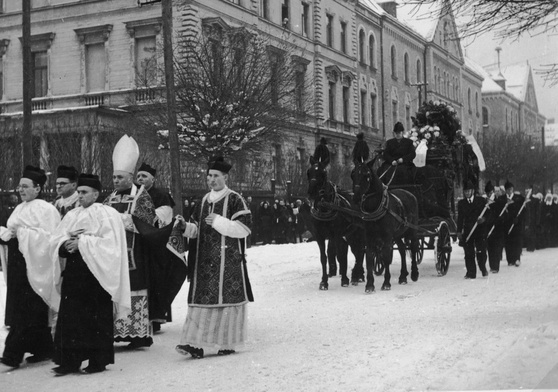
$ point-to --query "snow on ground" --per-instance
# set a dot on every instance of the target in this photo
(437, 334)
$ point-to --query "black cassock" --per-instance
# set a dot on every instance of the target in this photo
(26, 312)
(84, 330)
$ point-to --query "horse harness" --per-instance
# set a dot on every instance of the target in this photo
(383, 209)
(329, 214)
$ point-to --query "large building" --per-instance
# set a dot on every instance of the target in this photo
(509, 101)
(371, 64)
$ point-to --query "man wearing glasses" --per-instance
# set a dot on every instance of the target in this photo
(66, 188)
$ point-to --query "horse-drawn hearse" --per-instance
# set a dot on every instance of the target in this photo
(411, 206)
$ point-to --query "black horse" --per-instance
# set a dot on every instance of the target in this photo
(329, 224)
(388, 216)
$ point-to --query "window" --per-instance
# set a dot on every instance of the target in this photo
(394, 114)
(361, 54)
(300, 80)
(345, 104)
(94, 52)
(274, 61)
(406, 65)
(408, 116)
(363, 108)
(235, 1)
(372, 51)
(95, 64)
(146, 61)
(305, 16)
(285, 14)
(277, 161)
(331, 94)
(1, 78)
(329, 31)
(373, 111)
(39, 71)
(469, 101)
(344, 37)
(264, 10)
(419, 72)
(477, 102)
(393, 63)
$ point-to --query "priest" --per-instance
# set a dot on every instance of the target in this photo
(92, 240)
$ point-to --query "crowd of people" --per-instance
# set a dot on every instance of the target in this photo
(83, 273)
(502, 223)
(279, 222)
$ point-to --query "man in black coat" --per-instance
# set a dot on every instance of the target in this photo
(495, 229)
(469, 211)
(513, 225)
(398, 155)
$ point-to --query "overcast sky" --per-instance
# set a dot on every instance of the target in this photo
(538, 51)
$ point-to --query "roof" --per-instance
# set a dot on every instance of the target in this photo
(517, 78)
(373, 5)
(421, 18)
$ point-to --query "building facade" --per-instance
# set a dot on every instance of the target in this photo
(370, 64)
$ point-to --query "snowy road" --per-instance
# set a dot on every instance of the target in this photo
(437, 334)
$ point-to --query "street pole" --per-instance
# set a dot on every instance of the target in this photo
(27, 131)
(176, 183)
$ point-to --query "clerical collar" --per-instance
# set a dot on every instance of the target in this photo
(215, 195)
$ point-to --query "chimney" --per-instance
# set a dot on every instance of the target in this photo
(390, 7)
(500, 79)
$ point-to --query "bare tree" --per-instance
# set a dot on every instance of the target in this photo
(235, 90)
(507, 18)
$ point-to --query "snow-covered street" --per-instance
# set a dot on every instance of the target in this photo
(440, 334)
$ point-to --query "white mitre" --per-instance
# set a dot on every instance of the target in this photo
(125, 155)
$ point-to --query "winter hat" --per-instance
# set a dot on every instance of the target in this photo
(35, 174)
(508, 185)
(218, 163)
(148, 169)
(90, 180)
(68, 172)
(488, 187)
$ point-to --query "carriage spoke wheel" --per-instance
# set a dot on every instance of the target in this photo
(443, 249)
(378, 267)
(420, 250)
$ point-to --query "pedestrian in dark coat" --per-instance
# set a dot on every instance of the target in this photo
(469, 211)
(513, 226)
(495, 230)
(265, 215)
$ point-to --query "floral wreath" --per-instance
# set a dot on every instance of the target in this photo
(436, 123)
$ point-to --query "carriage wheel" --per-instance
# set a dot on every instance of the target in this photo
(443, 249)
(420, 250)
(378, 267)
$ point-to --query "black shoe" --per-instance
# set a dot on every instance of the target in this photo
(484, 273)
(63, 370)
(38, 358)
(10, 362)
(140, 343)
(511, 264)
(156, 326)
(470, 277)
(494, 271)
(225, 352)
(517, 263)
(196, 353)
(91, 369)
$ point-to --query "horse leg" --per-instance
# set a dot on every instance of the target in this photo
(342, 250)
(387, 255)
(323, 260)
(414, 265)
(369, 252)
(404, 273)
(331, 256)
(357, 274)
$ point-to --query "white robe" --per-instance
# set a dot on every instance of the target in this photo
(102, 244)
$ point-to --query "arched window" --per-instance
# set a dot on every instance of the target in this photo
(419, 71)
(477, 102)
(393, 62)
(361, 46)
(469, 100)
(406, 64)
(372, 51)
(485, 116)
